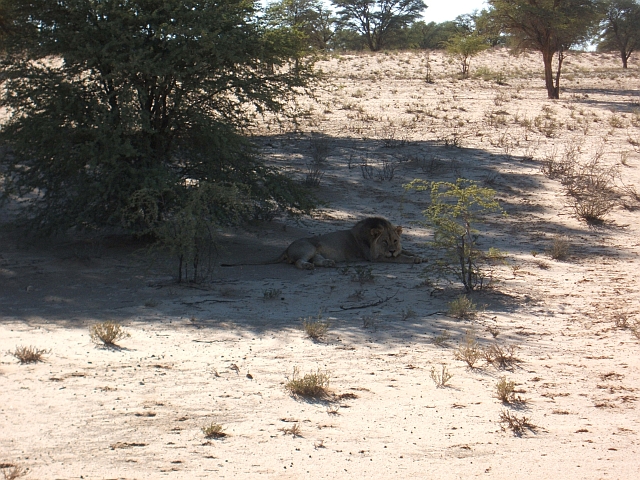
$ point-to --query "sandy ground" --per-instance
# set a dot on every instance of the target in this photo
(222, 351)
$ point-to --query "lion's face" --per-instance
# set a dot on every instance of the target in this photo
(386, 242)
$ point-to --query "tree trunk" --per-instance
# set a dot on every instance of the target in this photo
(624, 57)
(547, 58)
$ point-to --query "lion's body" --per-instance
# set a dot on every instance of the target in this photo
(372, 239)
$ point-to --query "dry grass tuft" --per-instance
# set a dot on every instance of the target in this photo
(440, 378)
(29, 354)
(315, 328)
(312, 385)
(518, 425)
(11, 472)
(107, 333)
(213, 430)
(506, 392)
(501, 356)
(469, 351)
(560, 247)
(462, 307)
(292, 430)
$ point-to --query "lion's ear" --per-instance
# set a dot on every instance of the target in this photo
(376, 232)
(399, 230)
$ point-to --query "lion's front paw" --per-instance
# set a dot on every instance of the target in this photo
(419, 260)
(328, 263)
(302, 265)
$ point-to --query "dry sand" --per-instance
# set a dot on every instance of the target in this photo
(221, 352)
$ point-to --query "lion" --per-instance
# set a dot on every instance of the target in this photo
(373, 239)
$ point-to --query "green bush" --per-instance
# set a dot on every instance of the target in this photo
(136, 107)
(454, 210)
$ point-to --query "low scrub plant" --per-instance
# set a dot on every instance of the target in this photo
(518, 425)
(442, 377)
(107, 333)
(311, 385)
(271, 293)
(560, 247)
(29, 354)
(501, 356)
(462, 307)
(213, 430)
(506, 392)
(315, 328)
(294, 430)
(469, 351)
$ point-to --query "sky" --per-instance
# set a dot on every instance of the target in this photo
(443, 10)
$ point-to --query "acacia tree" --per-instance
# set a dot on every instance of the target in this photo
(620, 28)
(548, 26)
(463, 47)
(306, 21)
(123, 111)
(377, 20)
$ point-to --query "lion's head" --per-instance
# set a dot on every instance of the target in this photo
(379, 236)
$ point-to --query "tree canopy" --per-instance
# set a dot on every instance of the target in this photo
(548, 26)
(620, 28)
(377, 20)
(125, 109)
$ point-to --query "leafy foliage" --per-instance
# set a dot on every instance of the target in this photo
(453, 211)
(548, 26)
(377, 20)
(117, 102)
(620, 28)
(463, 47)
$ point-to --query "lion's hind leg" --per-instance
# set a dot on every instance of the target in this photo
(319, 261)
(301, 254)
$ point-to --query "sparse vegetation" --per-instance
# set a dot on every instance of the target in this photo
(462, 307)
(440, 378)
(315, 328)
(501, 356)
(293, 430)
(311, 385)
(213, 430)
(442, 339)
(506, 392)
(29, 354)
(363, 274)
(12, 472)
(271, 293)
(559, 249)
(518, 425)
(469, 351)
(454, 210)
(107, 333)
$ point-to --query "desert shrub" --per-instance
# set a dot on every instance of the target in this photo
(118, 98)
(463, 47)
(107, 333)
(363, 274)
(29, 354)
(501, 356)
(518, 425)
(440, 378)
(469, 351)
(213, 430)
(271, 293)
(462, 307)
(293, 430)
(505, 391)
(442, 339)
(454, 211)
(312, 385)
(315, 328)
(12, 472)
(560, 247)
